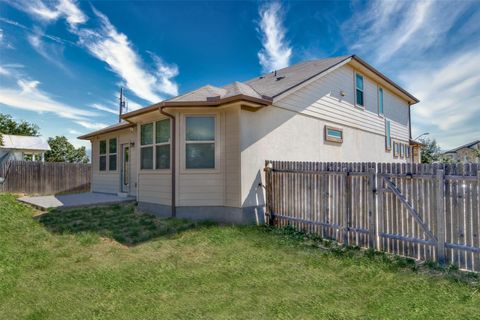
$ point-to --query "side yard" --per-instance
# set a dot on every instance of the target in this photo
(111, 263)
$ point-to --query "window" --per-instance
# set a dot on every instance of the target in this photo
(162, 144)
(200, 142)
(396, 149)
(155, 145)
(380, 101)
(407, 151)
(388, 139)
(112, 154)
(146, 146)
(103, 155)
(333, 134)
(359, 90)
(402, 150)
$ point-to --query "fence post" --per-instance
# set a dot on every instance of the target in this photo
(268, 190)
(372, 210)
(346, 185)
(440, 213)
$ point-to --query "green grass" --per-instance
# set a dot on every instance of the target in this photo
(57, 267)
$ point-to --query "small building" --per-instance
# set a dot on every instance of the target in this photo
(201, 155)
(467, 153)
(23, 148)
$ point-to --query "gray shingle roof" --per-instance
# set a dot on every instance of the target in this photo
(268, 85)
(272, 84)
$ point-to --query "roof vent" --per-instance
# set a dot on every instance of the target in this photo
(214, 98)
(280, 78)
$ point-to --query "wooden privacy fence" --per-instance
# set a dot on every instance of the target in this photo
(427, 212)
(44, 178)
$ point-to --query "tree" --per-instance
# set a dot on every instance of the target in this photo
(63, 151)
(430, 150)
(23, 128)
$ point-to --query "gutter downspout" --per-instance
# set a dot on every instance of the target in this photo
(174, 134)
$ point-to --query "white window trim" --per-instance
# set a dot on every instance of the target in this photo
(381, 115)
(153, 145)
(107, 155)
(355, 90)
(183, 144)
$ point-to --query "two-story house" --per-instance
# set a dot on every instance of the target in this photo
(201, 155)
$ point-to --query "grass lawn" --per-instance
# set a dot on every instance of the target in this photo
(111, 263)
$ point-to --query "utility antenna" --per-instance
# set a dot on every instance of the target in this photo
(121, 105)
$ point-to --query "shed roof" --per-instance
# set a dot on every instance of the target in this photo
(24, 143)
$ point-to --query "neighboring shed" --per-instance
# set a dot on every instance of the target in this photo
(22, 148)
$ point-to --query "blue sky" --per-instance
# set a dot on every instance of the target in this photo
(62, 61)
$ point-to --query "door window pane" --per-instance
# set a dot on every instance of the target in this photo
(146, 134)
(162, 157)
(200, 129)
(112, 145)
(380, 100)
(359, 82)
(200, 156)
(162, 131)
(146, 158)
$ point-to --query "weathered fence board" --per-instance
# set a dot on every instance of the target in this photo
(427, 212)
(44, 178)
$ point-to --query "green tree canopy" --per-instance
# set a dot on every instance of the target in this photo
(430, 150)
(22, 128)
(63, 151)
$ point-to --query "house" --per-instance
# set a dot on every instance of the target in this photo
(468, 153)
(201, 155)
(15, 147)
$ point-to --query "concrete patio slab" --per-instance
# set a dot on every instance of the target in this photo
(68, 201)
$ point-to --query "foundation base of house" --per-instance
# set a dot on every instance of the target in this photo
(231, 215)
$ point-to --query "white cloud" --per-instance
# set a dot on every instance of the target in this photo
(91, 125)
(384, 29)
(114, 48)
(4, 71)
(49, 11)
(52, 52)
(104, 108)
(107, 44)
(449, 91)
(71, 131)
(276, 51)
(27, 96)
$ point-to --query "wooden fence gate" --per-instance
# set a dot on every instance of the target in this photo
(427, 212)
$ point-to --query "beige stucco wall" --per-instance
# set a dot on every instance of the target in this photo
(109, 181)
(293, 129)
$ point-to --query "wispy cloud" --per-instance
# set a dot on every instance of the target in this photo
(150, 82)
(27, 96)
(276, 51)
(384, 29)
(419, 43)
(104, 108)
(92, 125)
(52, 52)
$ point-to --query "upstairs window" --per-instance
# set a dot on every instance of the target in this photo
(380, 102)
(200, 142)
(103, 155)
(359, 90)
(388, 138)
(112, 154)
